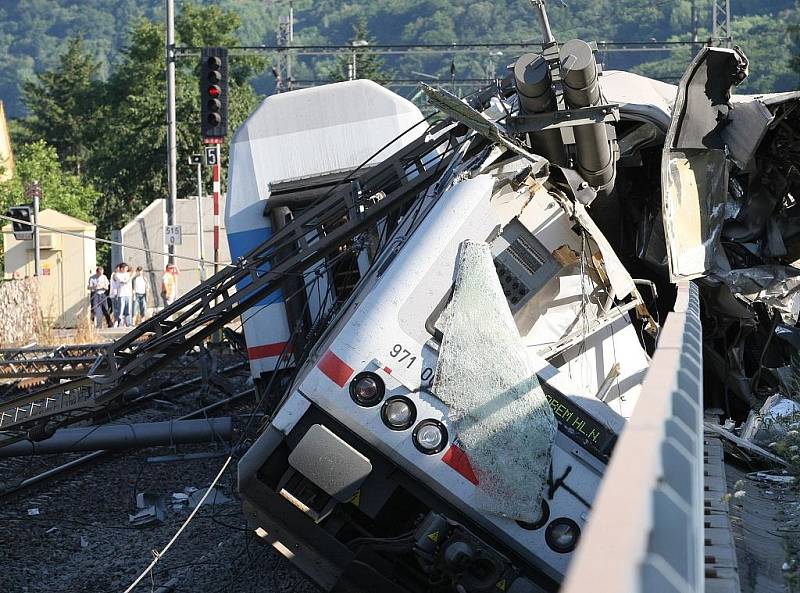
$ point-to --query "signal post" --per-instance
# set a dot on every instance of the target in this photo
(214, 124)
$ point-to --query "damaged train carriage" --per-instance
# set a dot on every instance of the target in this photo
(731, 220)
(463, 368)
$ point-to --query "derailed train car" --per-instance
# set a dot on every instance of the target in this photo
(463, 368)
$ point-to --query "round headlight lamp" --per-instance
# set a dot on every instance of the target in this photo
(367, 389)
(430, 437)
(398, 413)
(562, 535)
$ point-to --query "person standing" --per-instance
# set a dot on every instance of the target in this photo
(140, 295)
(125, 295)
(91, 286)
(100, 297)
(169, 285)
(115, 294)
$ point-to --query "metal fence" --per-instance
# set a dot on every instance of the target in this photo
(645, 531)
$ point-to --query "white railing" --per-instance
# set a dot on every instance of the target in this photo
(645, 530)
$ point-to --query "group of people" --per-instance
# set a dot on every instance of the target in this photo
(127, 294)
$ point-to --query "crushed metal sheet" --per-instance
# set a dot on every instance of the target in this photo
(148, 517)
(566, 256)
(773, 285)
(773, 421)
(502, 418)
(749, 121)
(215, 498)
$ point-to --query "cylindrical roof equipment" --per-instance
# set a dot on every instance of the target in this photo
(535, 92)
(579, 74)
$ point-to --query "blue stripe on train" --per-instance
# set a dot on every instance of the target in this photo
(241, 244)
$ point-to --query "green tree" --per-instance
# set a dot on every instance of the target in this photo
(61, 190)
(129, 163)
(368, 64)
(62, 103)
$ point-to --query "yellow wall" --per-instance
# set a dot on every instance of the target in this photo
(65, 267)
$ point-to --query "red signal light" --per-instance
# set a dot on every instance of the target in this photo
(214, 91)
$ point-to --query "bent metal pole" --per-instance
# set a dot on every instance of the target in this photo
(117, 437)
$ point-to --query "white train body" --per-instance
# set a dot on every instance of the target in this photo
(388, 329)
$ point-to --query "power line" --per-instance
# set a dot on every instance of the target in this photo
(448, 46)
(109, 242)
(436, 48)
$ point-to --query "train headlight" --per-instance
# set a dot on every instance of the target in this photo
(367, 389)
(562, 535)
(430, 436)
(398, 413)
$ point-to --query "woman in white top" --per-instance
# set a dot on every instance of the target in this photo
(125, 295)
(140, 295)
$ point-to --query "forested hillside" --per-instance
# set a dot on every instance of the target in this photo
(33, 33)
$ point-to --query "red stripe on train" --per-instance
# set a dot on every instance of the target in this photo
(268, 350)
(458, 460)
(335, 368)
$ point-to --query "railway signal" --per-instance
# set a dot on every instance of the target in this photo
(214, 93)
(21, 230)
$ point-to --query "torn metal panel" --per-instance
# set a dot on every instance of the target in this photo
(694, 209)
(502, 418)
(743, 446)
(776, 417)
(764, 191)
(749, 120)
(618, 276)
(694, 171)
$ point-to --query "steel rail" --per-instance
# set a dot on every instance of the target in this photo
(646, 532)
(57, 362)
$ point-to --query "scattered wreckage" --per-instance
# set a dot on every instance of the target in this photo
(464, 365)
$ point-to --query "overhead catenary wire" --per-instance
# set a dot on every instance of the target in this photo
(186, 318)
(382, 48)
(206, 261)
(110, 242)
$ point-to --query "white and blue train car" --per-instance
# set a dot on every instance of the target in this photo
(310, 134)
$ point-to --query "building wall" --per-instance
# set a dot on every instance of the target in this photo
(146, 231)
(66, 267)
(20, 315)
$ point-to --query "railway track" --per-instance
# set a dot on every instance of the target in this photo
(12, 481)
(53, 363)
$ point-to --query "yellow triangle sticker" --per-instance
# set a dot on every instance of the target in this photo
(356, 500)
(501, 584)
(434, 537)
